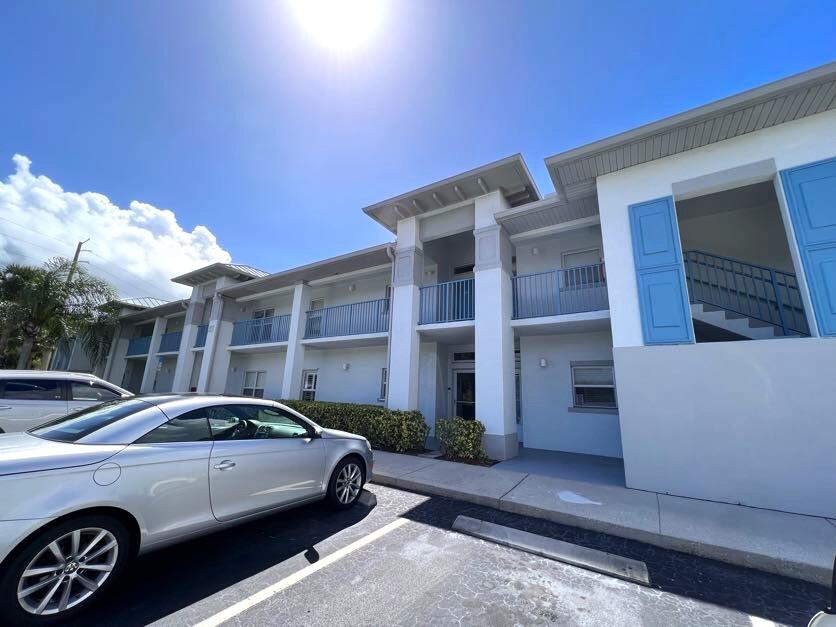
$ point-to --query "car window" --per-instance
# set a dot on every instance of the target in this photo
(255, 422)
(33, 390)
(89, 391)
(192, 426)
(73, 427)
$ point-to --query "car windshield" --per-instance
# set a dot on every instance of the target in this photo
(73, 427)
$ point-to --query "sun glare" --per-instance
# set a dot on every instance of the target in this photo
(341, 25)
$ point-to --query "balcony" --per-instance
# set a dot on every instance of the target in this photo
(200, 338)
(368, 317)
(139, 346)
(170, 342)
(261, 331)
(558, 292)
(447, 302)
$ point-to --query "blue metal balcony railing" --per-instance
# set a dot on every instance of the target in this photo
(371, 316)
(557, 292)
(261, 331)
(447, 302)
(754, 291)
(170, 342)
(200, 338)
(139, 346)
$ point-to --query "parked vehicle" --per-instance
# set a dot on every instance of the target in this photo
(29, 398)
(83, 494)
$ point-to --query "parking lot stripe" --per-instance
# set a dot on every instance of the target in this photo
(269, 591)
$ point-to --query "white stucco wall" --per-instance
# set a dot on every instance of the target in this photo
(550, 249)
(789, 145)
(369, 287)
(359, 384)
(547, 418)
(742, 422)
(271, 363)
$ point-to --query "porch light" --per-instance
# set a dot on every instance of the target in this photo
(346, 366)
(543, 362)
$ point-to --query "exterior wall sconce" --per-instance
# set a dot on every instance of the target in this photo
(535, 251)
(352, 287)
(345, 366)
(543, 362)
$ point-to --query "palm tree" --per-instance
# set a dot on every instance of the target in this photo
(96, 333)
(51, 303)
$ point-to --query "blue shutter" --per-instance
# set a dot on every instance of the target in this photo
(663, 299)
(811, 196)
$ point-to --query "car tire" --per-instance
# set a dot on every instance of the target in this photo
(346, 483)
(88, 536)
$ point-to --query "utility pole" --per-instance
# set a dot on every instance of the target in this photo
(74, 264)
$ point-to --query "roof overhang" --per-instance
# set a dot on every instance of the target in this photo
(372, 257)
(509, 175)
(575, 171)
(163, 311)
(547, 214)
(215, 271)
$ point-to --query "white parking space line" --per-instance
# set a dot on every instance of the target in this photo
(269, 591)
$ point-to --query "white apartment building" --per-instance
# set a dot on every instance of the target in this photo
(672, 303)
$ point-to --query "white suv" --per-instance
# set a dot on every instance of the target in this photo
(29, 398)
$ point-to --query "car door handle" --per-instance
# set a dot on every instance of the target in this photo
(76, 408)
(224, 465)
(5, 407)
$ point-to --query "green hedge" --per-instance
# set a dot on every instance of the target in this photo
(460, 438)
(387, 429)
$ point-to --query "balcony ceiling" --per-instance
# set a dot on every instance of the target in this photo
(350, 262)
(574, 172)
(509, 175)
(545, 213)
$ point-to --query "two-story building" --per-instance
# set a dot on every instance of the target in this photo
(671, 303)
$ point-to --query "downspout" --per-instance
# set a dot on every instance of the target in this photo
(391, 254)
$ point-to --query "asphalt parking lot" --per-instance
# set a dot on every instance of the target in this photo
(394, 560)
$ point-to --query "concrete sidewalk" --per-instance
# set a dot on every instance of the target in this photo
(793, 545)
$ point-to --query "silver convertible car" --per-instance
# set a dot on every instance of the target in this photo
(82, 495)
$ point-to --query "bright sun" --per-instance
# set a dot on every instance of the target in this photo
(341, 25)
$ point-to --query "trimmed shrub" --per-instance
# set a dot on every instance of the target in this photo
(460, 438)
(387, 429)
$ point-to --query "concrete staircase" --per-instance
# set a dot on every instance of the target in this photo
(735, 323)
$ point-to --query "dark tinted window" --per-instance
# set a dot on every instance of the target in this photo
(89, 391)
(192, 426)
(73, 427)
(33, 390)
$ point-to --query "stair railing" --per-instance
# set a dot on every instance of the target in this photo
(759, 292)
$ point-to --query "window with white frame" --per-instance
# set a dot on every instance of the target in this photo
(254, 383)
(384, 384)
(581, 269)
(264, 313)
(593, 385)
(309, 381)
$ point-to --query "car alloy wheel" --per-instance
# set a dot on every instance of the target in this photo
(67, 571)
(349, 483)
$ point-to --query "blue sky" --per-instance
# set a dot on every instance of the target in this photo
(230, 115)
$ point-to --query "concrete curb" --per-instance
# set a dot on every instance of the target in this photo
(730, 555)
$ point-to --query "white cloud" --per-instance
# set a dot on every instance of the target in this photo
(137, 249)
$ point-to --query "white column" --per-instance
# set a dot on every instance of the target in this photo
(405, 343)
(111, 353)
(185, 355)
(494, 336)
(209, 349)
(295, 359)
(150, 372)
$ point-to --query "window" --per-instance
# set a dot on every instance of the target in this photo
(258, 314)
(460, 270)
(192, 426)
(33, 390)
(582, 269)
(89, 391)
(465, 356)
(309, 381)
(254, 383)
(256, 422)
(384, 383)
(317, 303)
(593, 385)
(73, 427)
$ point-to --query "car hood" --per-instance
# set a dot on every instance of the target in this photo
(336, 434)
(21, 452)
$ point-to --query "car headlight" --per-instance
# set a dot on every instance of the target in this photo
(368, 445)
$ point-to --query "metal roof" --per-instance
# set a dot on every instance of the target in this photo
(574, 172)
(143, 302)
(509, 175)
(164, 310)
(342, 264)
(216, 270)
